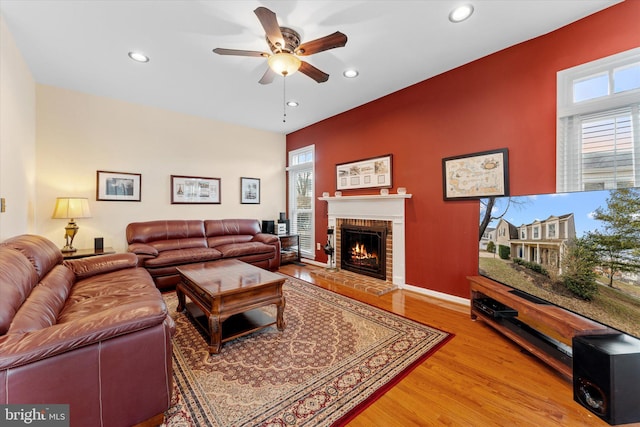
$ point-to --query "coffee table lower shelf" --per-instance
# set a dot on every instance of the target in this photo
(235, 326)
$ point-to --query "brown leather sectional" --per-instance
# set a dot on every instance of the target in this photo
(93, 333)
(163, 245)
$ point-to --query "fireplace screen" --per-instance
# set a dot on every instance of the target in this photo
(363, 250)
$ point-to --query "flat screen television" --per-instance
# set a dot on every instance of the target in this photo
(579, 251)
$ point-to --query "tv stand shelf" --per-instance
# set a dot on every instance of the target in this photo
(543, 330)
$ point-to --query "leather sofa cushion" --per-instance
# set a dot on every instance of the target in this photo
(224, 227)
(17, 279)
(40, 251)
(44, 304)
(151, 231)
(111, 292)
(183, 256)
(248, 248)
(173, 244)
(216, 241)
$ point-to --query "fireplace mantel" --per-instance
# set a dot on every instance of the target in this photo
(366, 197)
(389, 207)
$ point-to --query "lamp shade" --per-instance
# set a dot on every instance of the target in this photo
(71, 208)
(284, 63)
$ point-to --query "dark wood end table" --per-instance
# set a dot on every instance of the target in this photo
(85, 253)
(220, 290)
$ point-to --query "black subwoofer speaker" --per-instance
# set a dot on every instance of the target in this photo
(606, 376)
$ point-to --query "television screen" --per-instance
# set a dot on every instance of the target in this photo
(579, 251)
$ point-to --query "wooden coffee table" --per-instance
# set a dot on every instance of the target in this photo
(226, 295)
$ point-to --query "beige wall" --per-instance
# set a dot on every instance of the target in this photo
(79, 134)
(17, 139)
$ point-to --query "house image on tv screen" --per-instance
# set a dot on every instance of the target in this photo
(542, 241)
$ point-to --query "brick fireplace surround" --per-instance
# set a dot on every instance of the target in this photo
(374, 210)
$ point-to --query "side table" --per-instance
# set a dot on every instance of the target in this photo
(289, 248)
(84, 253)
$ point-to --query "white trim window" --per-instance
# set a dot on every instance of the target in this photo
(598, 141)
(301, 171)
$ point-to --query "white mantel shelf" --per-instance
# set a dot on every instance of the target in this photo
(390, 207)
(365, 197)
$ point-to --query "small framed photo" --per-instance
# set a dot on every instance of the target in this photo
(250, 191)
(194, 189)
(476, 175)
(118, 186)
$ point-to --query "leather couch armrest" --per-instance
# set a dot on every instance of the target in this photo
(87, 267)
(143, 249)
(266, 238)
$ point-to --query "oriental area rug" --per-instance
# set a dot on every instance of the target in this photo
(334, 358)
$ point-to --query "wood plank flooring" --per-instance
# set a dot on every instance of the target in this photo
(478, 378)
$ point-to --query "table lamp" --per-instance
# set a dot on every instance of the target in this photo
(71, 208)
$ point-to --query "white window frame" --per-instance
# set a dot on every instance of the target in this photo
(304, 253)
(569, 174)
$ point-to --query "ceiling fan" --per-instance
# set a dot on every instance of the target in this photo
(286, 48)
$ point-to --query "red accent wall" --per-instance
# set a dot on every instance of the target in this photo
(507, 99)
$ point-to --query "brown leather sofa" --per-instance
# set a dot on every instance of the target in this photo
(93, 333)
(163, 245)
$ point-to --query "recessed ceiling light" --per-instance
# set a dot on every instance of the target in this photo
(350, 73)
(461, 13)
(292, 103)
(137, 56)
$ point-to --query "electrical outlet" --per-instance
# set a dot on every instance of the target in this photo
(318, 246)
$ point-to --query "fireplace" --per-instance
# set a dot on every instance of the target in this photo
(363, 250)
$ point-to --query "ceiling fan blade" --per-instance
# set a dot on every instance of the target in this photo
(271, 27)
(331, 41)
(267, 77)
(311, 71)
(239, 52)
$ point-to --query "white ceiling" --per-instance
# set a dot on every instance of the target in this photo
(83, 46)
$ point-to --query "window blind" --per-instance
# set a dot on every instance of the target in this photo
(599, 150)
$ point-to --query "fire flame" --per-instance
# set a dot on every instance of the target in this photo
(359, 251)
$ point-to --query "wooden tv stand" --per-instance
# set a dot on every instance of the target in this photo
(538, 327)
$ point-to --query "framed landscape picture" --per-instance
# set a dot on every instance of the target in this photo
(118, 186)
(194, 189)
(477, 175)
(250, 191)
(366, 173)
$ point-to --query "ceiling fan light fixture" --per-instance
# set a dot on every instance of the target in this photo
(461, 13)
(284, 63)
(138, 57)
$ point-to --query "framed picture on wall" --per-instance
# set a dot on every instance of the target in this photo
(366, 173)
(118, 186)
(194, 189)
(250, 191)
(477, 175)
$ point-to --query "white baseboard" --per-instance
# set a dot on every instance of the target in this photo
(312, 262)
(439, 295)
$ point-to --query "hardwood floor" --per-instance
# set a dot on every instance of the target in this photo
(478, 378)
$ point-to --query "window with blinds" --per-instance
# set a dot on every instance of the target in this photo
(301, 200)
(598, 145)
